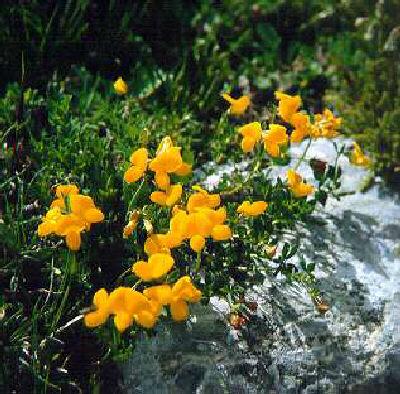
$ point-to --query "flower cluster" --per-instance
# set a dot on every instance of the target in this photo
(358, 158)
(129, 306)
(168, 161)
(69, 215)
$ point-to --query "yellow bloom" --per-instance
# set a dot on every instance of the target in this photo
(252, 209)
(158, 265)
(252, 134)
(288, 105)
(202, 199)
(169, 160)
(197, 243)
(138, 166)
(73, 239)
(162, 180)
(183, 292)
(198, 223)
(64, 190)
(325, 125)
(101, 314)
(237, 106)
(302, 126)
(221, 232)
(69, 215)
(358, 158)
(120, 86)
(162, 294)
(155, 245)
(297, 186)
(184, 170)
(274, 139)
(169, 197)
(126, 305)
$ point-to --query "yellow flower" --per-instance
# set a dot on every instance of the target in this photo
(198, 223)
(161, 293)
(288, 105)
(252, 134)
(302, 126)
(358, 158)
(69, 215)
(155, 245)
(297, 186)
(64, 190)
(183, 292)
(130, 227)
(221, 232)
(169, 197)
(237, 106)
(120, 86)
(274, 139)
(157, 266)
(126, 305)
(169, 160)
(101, 314)
(138, 166)
(73, 239)
(252, 209)
(197, 243)
(162, 180)
(202, 199)
(325, 125)
(184, 170)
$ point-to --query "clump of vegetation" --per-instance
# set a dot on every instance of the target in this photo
(149, 240)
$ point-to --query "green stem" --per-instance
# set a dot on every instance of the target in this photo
(135, 195)
(302, 157)
(198, 261)
(72, 263)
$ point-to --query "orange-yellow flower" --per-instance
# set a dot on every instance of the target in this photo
(101, 314)
(183, 292)
(274, 139)
(157, 266)
(202, 199)
(252, 209)
(184, 170)
(297, 186)
(237, 106)
(197, 243)
(288, 105)
(252, 134)
(169, 197)
(358, 158)
(325, 125)
(302, 126)
(120, 86)
(138, 166)
(221, 232)
(154, 244)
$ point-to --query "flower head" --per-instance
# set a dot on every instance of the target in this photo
(138, 161)
(275, 139)
(157, 266)
(252, 209)
(325, 125)
(120, 86)
(169, 197)
(302, 126)
(288, 105)
(358, 158)
(252, 134)
(237, 106)
(297, 186)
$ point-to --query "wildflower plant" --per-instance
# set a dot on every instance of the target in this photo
(134, 237)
